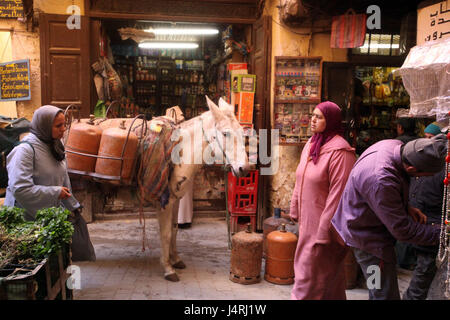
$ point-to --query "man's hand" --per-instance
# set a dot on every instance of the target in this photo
(417, 215)
(65, 193)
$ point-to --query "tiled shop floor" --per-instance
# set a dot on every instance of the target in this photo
(123, 271)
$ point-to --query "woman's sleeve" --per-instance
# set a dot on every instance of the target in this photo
(20, 181)
(339, 169)
(293, 210)
(69, 203)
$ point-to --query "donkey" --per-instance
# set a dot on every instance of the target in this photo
(215, 128)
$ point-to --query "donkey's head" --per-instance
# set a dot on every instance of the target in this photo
(226, 131)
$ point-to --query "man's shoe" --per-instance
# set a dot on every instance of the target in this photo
(184, 225)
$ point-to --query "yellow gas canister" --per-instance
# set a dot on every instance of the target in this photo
(246, 257)
(281, 247)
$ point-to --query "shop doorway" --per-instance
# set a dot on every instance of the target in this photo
(372, 98)
(154, 79)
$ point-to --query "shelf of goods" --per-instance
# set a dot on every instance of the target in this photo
(159, 80)
(298, 82)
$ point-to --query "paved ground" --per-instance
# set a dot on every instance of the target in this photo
(123, 271)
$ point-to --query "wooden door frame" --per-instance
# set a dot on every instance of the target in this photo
(264, 109)
(263, 114)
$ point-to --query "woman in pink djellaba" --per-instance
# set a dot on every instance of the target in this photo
(321, 175)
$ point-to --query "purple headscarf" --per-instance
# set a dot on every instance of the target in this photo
(332, 114)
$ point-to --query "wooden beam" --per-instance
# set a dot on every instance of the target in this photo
(155, 17)
(222, 11)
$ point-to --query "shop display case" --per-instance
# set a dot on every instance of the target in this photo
(381, 97)
(156, 81)
(298, 83)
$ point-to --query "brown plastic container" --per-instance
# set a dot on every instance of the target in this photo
(84, 137)
(246, 257)
(281, 247)
(112, 144)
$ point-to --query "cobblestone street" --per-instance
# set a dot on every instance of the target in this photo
(124, 272)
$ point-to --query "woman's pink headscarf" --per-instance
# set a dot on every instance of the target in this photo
(333, 118)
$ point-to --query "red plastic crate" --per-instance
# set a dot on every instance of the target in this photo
(243, 193)
(244, 184)
(239, 223)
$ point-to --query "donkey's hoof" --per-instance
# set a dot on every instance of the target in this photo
(172, 277)
(179, 265)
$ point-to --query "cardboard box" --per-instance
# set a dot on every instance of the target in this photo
(244, 83)
(244, 106)
(233, 69)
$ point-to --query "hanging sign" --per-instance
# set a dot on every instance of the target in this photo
(11, 9)
(15, 80)
(433, 22)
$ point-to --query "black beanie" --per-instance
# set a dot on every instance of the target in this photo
(427, 155)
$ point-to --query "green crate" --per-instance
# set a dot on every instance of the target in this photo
(45, 281)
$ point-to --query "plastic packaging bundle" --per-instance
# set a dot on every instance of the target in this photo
(426, 77)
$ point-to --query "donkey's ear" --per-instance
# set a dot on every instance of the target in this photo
(214, 108)
(223, 105)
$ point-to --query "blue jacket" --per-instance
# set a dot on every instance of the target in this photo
(426, 194)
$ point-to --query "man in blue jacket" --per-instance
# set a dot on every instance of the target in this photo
(373, 212)
(426, 194)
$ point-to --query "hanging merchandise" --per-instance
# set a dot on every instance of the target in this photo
(107, 81)
(348, 30)
(114, 82)
(426, 77)
(443, 258)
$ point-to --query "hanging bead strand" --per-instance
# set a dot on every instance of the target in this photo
(444, 245)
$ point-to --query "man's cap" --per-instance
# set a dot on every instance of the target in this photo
(434, 128)
(427, 155)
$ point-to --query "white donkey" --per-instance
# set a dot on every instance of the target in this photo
(213, 131)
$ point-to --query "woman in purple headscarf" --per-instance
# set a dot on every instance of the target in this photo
(321, 175)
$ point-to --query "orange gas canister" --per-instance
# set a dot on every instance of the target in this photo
(271, 224)
(84, 137)
(281, 247)
(112, 144)
(246, 257)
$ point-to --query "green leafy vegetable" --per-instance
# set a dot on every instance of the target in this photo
(22, 240)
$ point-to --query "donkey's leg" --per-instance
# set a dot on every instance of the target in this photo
(175, 260)
(165, 233)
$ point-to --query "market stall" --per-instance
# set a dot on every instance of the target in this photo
(426, 76)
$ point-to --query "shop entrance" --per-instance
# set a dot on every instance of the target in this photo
(372, 98)
(154, 79)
